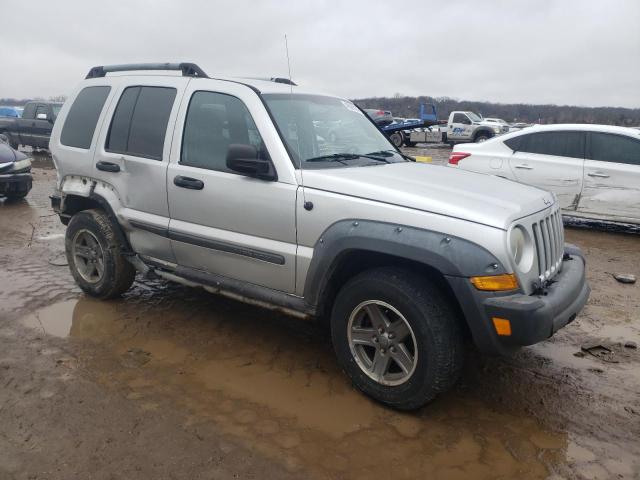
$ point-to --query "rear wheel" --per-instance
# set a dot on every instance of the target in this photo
(397, 138)
(94, 255)
(397, 337)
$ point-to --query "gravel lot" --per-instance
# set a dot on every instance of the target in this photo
(172, 383)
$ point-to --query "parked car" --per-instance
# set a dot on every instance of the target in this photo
(15, 172)
(33, 128)
(220, 183)
(380, 117)
(594, 170)
(11, 112)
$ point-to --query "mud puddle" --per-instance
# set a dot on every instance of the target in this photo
(276, 387)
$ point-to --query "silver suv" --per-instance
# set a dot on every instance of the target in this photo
(229, 185)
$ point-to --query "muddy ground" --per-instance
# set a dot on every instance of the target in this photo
(174, 383)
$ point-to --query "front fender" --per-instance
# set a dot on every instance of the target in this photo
(451, 256)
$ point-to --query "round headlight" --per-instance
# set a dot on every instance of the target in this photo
(521, 248)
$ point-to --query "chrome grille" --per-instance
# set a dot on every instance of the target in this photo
(548, 234)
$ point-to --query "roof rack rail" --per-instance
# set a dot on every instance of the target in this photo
(286, 81)
(188, 69)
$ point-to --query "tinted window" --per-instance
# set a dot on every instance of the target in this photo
(461, 118)
(615, 148)
(140, 121)
(562, 144)
(29, 111)
(514, 143)
(215, 121)
(82, 118)
(42, 109)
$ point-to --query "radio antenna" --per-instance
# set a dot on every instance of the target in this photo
(309, 205)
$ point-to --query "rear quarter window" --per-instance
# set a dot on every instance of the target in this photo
(81, 121)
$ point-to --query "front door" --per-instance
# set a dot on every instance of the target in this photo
(223, 222)
(612, 178)
(459, 129)
(553, 161)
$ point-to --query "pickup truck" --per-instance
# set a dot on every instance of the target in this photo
(33, 128)
(462, 127)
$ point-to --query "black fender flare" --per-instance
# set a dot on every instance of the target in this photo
(451, 256)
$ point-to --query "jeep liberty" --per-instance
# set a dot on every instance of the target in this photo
(228, 184)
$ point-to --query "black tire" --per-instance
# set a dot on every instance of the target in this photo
(433, 322)
(118, 274)
(481, 137)
(397, 138)
(407, 143)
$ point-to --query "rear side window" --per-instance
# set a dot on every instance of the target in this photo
(561, 144)
(82, 118)
(139, 123)
(615, 148)
(215, 121)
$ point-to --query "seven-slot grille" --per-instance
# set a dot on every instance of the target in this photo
(548, 235)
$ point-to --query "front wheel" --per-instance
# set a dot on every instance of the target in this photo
(482, 137)
(397, 337)
(94, 254)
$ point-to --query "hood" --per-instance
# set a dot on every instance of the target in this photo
(475, 197)
(8, 154)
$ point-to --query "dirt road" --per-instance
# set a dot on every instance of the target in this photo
(174, 383)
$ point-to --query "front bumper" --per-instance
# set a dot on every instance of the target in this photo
(533, 318)
(15, 183)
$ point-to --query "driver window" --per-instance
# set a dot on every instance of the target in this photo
(215, 121)
(461, 118)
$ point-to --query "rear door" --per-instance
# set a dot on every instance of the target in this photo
(612, 178)
(25, 124)
(222, 222)
(41, 127)
(551, 160)
(133, 153)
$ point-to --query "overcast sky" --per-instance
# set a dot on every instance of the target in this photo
(579, 52)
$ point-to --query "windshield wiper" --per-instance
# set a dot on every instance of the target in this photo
(334, 157)
(390, 153)
(339, 157)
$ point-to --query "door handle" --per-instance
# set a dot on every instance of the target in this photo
(108, 167)
(524, 166)
(598, 174)
(188, 182)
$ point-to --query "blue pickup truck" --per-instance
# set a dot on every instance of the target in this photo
(33, 128)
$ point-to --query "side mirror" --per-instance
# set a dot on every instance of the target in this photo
(41, 116)
(245, 160)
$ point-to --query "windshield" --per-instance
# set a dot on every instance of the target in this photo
(328, 132)
(474, 117)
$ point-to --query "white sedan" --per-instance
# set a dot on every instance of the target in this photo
(594, 170)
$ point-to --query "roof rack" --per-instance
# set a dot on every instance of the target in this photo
(286, 81)
(188, 69)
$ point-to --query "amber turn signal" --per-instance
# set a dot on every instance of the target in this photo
(502, 326)
(496, 283)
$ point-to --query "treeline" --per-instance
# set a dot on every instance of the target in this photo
(408, 107)
(19, 102)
